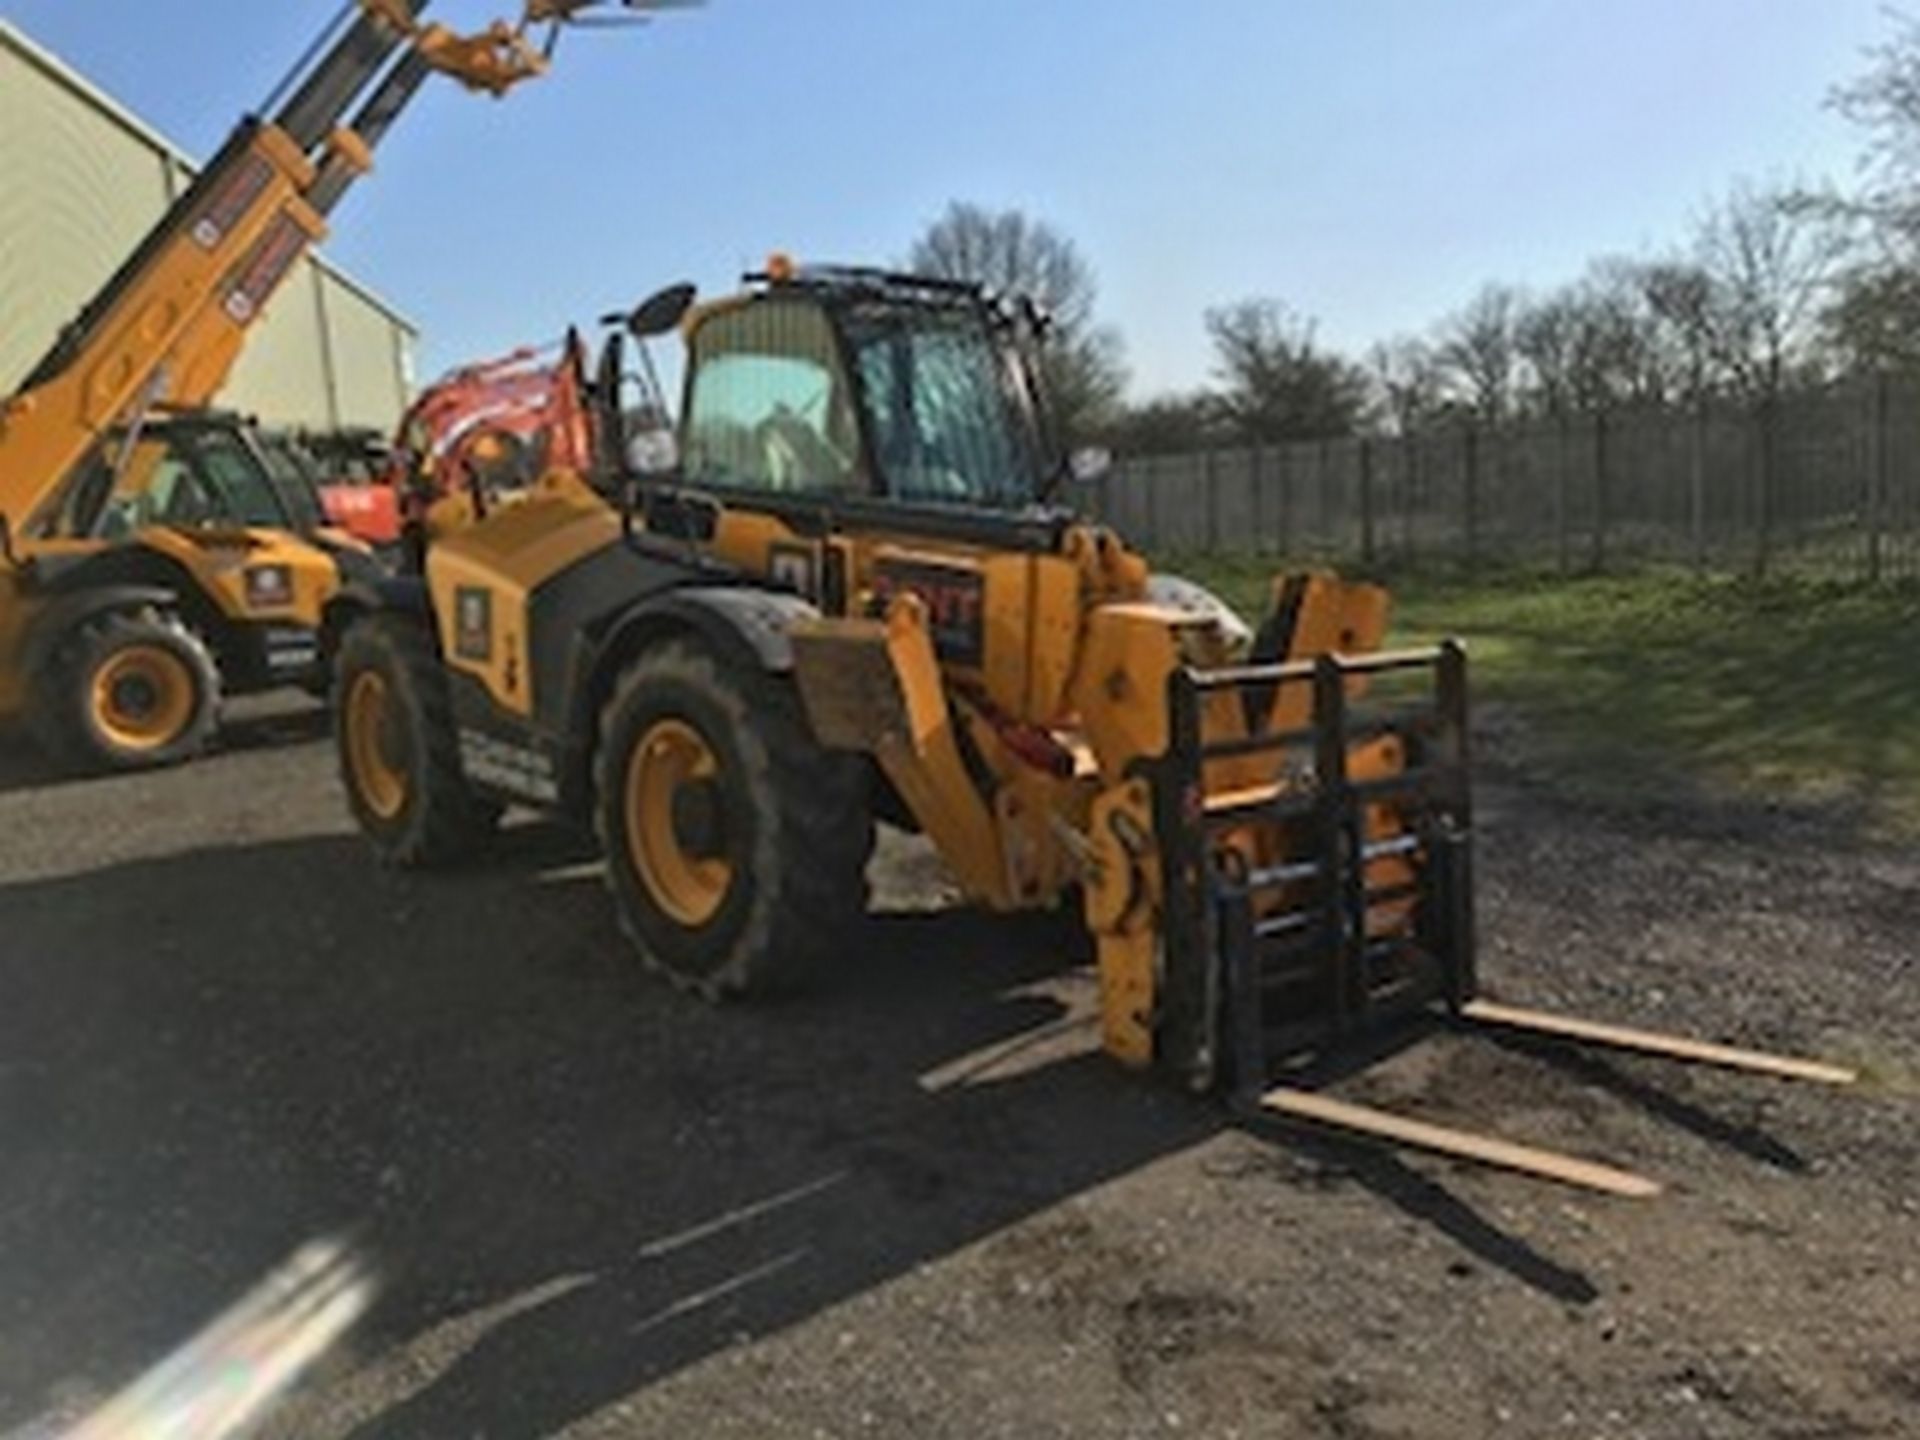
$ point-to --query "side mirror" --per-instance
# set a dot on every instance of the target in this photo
(658, 313)
(653, 454)
(1091, 465)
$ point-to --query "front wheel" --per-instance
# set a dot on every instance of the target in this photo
(127, 690)
(399, 751)
(736, 845)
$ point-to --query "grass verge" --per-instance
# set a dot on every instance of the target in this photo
(1783, 691)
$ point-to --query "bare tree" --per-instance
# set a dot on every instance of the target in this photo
(1546, 337)
(1015, 254)
(1771, 260)
(1278, 383)
(1680, 294)
(1477, 348)
(1631, 360)
(1407, 383)
(1885, 103)
(1874, 320)
(1167, 425)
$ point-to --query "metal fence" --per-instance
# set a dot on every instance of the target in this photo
(1826, 482)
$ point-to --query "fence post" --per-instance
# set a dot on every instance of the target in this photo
(1697, 485)
(1598, 552)
(1151, 479)
(1877, 480)
(1323, 483)
(1410, 494)
(1210, 492)
(1562, 481)
(1763, 486)
(1366, 500)
(1283, 452)
(1470, 466)
(1256, 530)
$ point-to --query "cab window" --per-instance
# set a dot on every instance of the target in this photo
(769, 407)
(156, 486)
(239, 480)
(941, 399)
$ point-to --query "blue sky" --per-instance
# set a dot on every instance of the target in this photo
(1368, 161)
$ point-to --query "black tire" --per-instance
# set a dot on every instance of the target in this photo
(167, 666)
(793, 826)
(436, 818)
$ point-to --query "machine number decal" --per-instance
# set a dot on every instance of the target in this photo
(956, 601)
(473, 624)
(264, 269)
(795, 567)
(231, 202)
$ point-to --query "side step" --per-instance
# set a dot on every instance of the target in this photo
(1463, 1144)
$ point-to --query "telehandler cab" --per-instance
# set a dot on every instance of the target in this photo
(852, 596)
(130, 584)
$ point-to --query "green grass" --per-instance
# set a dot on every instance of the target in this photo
(1652, 686)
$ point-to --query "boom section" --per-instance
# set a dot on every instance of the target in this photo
(169, 325)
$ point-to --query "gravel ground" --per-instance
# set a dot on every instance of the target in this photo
(918, 1203)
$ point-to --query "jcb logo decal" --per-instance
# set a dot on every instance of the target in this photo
(473, 624)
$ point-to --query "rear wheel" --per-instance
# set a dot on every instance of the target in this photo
(127, 690)
(736, 846)
(398, 748)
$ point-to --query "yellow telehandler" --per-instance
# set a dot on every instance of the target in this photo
(149, 552)
(844, 592)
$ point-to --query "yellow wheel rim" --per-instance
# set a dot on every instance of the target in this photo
(375, 753)
(144, 697)
(688, 886)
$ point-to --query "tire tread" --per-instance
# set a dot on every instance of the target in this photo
(815, 893)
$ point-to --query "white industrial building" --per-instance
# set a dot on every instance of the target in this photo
(82, 180)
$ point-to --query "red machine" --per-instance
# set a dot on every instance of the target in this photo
(497, 426)
(492, 427)
(369, 512)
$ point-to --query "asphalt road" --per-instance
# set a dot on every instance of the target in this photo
(917, 1202)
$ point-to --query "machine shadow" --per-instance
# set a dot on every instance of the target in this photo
(284, 720)
(23, 767)
(572, 1181)
(1663, 1105)
(281, 723)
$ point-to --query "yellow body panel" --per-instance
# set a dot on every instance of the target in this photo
(221, 560)
(1122, 903)
(503, 560)
(1120, 684)
(875, 686)
(218, 563)
(754, 542)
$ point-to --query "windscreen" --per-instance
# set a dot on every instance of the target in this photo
(169, 475)
(769, 408)
(245, 490)
(296, 479)
(946, 408)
